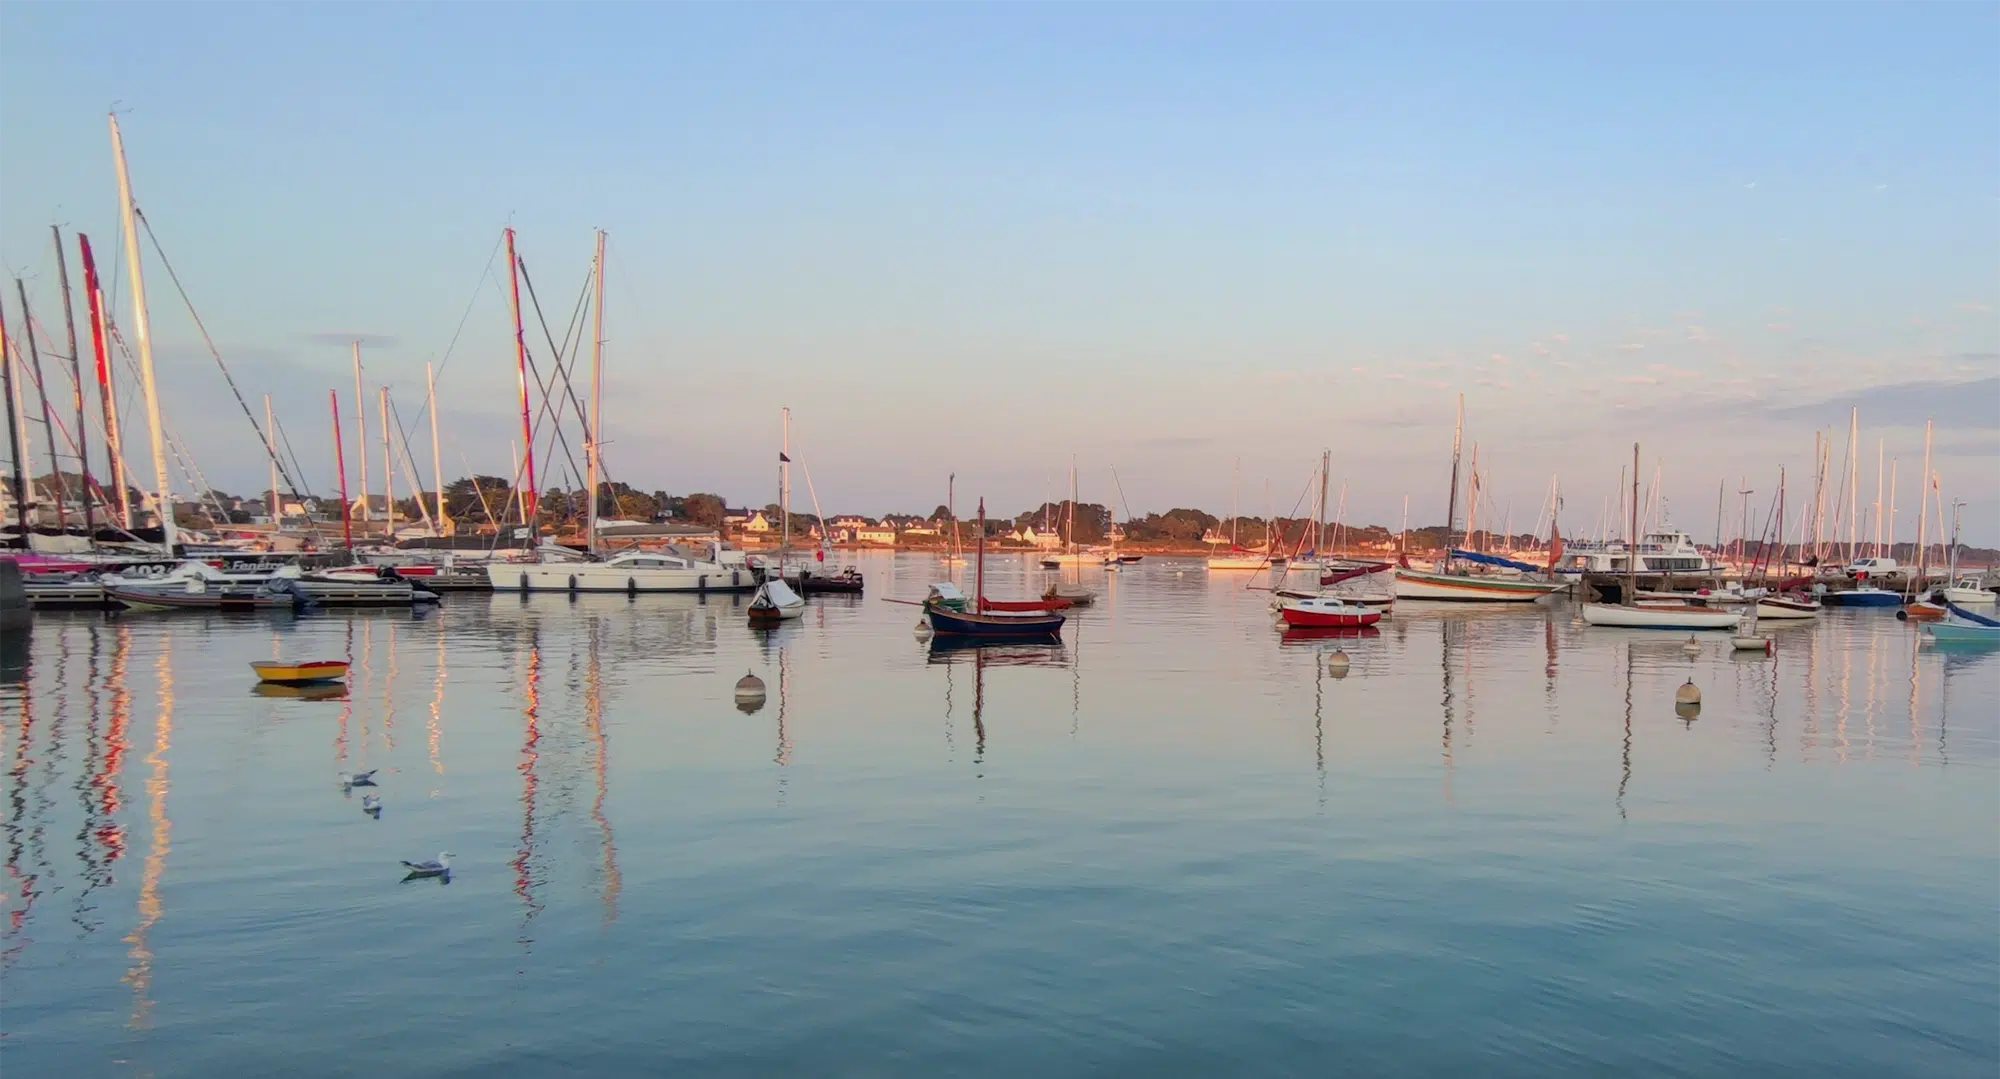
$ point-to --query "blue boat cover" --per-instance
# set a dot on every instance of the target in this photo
(1975, 619)
(1495, 560)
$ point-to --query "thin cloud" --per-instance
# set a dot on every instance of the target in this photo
(1631, 346)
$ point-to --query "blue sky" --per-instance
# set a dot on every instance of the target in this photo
(982, 239)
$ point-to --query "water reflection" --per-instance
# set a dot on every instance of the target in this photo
(151, 909)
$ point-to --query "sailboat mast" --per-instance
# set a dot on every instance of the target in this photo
(76, 376)
(1472, 499)
(1853, 480)
(48, 425)
(340, 462)
(591, 433)
(388, 474)
(521, 357)
(784, 487)
(1923, 513)
(142, 332)
(437, 462)
(107, 394)
(1893, 462)
(1451, 502)
(979, 565)
(1880, 445)
(275, 505)
(16, 487)
(1325, 471)
(361, 426)
(1631, 596)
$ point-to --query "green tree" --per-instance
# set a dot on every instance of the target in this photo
(703, 508)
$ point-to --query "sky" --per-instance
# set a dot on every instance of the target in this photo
(1187, 242)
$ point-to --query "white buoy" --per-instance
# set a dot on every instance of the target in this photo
(1337, 663)
(1691, 646)
(749, 692)
(1689, 693)
(923, 630)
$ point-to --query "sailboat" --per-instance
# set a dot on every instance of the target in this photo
(1451, 584)
(952, 556)
(774, 600)
(1074, 592)
(1632, 615)
(977, 625)
(1237, 558)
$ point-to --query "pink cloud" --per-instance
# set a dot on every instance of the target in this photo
(1562, 338)
(1640, 380)
(1631, 346)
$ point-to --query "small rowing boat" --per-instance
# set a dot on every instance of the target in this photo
(322, 670)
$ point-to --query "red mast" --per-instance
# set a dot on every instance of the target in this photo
(107, 398)
(528, 499)
(340, 459)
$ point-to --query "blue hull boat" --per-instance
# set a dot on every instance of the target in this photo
(993, 627)
(1864, 597)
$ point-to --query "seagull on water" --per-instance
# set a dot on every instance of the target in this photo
(359, 779)
(372, 806)
(427, 868)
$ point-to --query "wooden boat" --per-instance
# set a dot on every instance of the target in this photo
(1471, 588)
(775, 602)
(1326, 612)
(1922, 610)
(322, 670)
(1956, 632)
(1072, 595)
(1023, 606)
(946, 622)
(999, 627)
(1662, 616)
(1130, 559)
(1788, 607)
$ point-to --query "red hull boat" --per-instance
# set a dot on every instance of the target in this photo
(1327, 612)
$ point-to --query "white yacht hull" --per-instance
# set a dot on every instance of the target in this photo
(1661, 617)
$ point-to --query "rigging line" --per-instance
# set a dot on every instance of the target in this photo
(262, 438)
(287, 440)
(569, 390)
(484, 276)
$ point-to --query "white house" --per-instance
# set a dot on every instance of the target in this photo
(883, 533)
(1044, 540)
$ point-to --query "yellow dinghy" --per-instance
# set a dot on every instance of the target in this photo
(324, 670)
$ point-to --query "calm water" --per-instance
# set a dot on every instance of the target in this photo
(1175, 845)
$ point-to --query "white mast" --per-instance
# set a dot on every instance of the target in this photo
(442, 523)
(143, 334)
(388, 473)
(784, 487)
(590, 430)
(276, 506)
(1923, 512)
(361, 422)
(1853, 479)
(1893, 462)
(1880, 443)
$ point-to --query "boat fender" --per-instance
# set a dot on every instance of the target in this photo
(631, 587)
(1902, 615)
(735, 578)
(701, 585)
(572, 586)
(524, 583)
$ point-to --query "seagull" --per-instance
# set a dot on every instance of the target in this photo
(438, 868)
(359, 779)
(372, 806)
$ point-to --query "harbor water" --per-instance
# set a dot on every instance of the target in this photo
(1180, 843)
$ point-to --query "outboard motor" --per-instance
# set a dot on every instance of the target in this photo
(285, 586)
